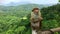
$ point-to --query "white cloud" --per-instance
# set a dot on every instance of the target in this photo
(31, 1)
(44, 1)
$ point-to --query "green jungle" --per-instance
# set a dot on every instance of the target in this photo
(16, 19)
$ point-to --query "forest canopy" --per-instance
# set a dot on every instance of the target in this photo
(15, 19)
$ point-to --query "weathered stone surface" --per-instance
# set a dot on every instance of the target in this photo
(55, 29)
(43, 32)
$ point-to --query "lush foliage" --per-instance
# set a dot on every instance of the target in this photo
(16, 20)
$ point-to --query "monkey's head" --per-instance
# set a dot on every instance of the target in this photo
(36, 10)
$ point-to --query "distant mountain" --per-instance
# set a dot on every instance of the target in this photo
(22, 3)
(26, 9)
(23, 9)
(23, 6)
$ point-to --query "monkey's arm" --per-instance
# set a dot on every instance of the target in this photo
(32, 17)
(40, 16)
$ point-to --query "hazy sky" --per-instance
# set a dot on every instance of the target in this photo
(30, 1)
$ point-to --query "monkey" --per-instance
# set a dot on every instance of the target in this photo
(36, 19)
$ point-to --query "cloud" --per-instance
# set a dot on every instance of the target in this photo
(2, 1)
(7, 1)
(31, 1)
(44, 1)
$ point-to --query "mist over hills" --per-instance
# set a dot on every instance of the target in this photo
(23, 6)
(22, 3)
(21, 9)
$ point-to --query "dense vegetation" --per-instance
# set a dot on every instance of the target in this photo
(15, 19)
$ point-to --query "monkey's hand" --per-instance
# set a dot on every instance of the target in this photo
(40, 18)
(32, 19)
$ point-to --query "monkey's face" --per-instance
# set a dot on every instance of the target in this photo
(36, 11)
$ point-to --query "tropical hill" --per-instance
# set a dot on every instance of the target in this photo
(20, 9)
(14, 19)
